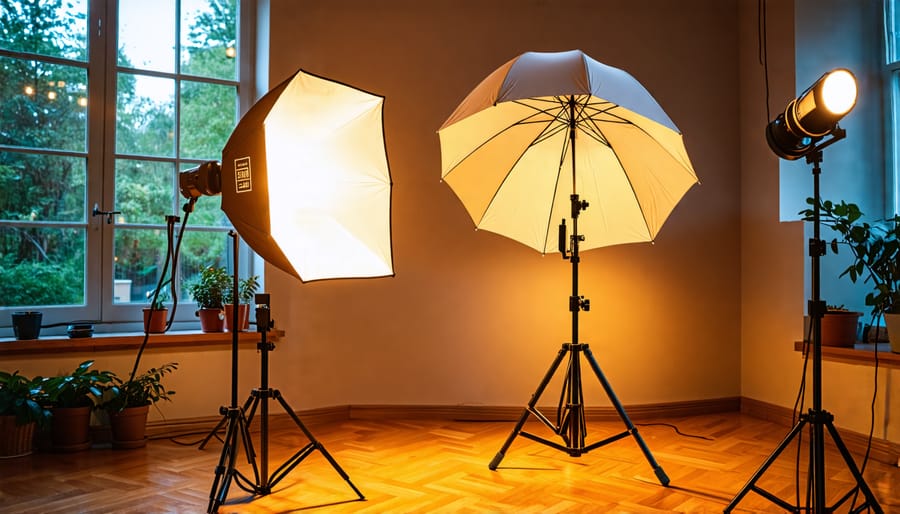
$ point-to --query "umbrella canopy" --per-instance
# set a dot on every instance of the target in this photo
(305, 180)
(506, 152)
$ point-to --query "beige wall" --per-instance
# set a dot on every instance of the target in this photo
(474, 318)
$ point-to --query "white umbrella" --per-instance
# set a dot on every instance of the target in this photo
(507, 154)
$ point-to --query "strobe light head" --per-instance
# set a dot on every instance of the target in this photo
(812, 115)
(202, 180)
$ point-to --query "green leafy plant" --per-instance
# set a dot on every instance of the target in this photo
(20, 397)
(247, 287)
(158, 301)
(144, 389)
(875, 248)
(209, 289)
(82, 387)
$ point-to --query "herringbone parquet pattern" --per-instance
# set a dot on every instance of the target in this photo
(439, 466)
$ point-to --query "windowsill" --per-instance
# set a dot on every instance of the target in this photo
(128, 341)
(862, 354)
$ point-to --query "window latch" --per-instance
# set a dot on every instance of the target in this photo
(108, 214)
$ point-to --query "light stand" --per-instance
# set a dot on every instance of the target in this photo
(259, 399)
(238, 425)
(570, 420)
(817, 418)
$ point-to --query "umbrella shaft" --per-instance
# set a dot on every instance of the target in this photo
(577, 303)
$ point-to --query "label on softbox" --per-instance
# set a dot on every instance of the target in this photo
(242, 180)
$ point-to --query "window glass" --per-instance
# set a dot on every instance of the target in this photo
(209, 45)
(208, 114)
(43, 105)
(139, 256)
(147, 35)
(144, 191)
(891, 32)
(40, 187)
(46, 27)
(201, 249)
(145, 116)
(41, 266)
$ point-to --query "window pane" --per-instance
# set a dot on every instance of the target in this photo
(43, 105)
(209, 37)
(208, 115)
(50, 27)
(145, 118)
(139, 257)
(147, 35)
(203, 249)
(892, 31)
(42, 187)
(41, 266)
(144, 191)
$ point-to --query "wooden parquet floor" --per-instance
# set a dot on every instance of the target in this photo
(439, 466)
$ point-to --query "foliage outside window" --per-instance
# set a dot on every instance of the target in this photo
(70, 142)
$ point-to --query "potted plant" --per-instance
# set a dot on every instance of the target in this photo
(127, 403)
(840, 326)
(156, 315)
(20, 412)
(247, 287)
(876, 249)
(209, 293)
(71, 398)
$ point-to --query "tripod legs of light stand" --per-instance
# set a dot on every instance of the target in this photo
(259, 402)
(226, 470)
(817, 418)
(571, 424)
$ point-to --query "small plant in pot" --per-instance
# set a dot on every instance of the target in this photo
(156, 315)
(247, 287)
(127, 403)
(876, 249)
(20, 413)
(208, 290)
(71, 398)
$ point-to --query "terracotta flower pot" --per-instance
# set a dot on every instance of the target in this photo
(155, 320)
(70, 429)
(243, 316)
(129, 427)
(840, 328)
(211, 320)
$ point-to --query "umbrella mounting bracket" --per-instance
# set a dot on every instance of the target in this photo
(579, 303)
